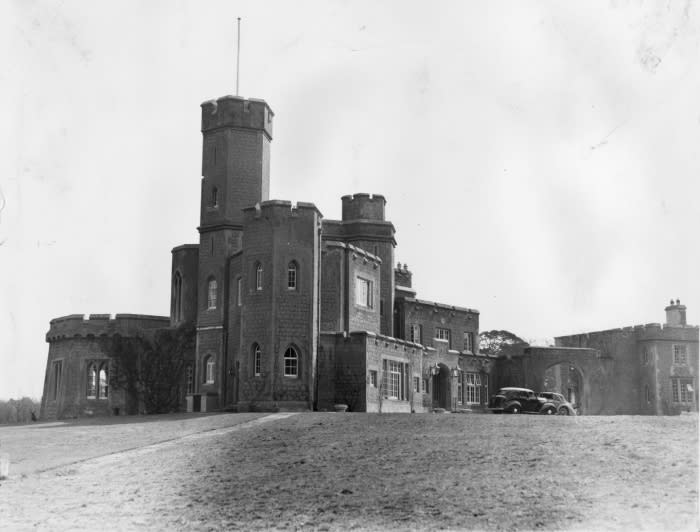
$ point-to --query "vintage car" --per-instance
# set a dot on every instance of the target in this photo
(520, 400)
(564, 407)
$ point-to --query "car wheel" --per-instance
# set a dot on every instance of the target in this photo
(550, 410)
(563, 411)
(514, 410)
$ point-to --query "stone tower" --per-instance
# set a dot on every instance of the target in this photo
(235, 174)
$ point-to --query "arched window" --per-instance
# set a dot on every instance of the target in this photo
(209, 370)
(257, 360)
(291, 362)
(92, 381)
(177, 296)
(211, 294)
(214, 196)
(292, 276)
(103, 383)
(259, 277)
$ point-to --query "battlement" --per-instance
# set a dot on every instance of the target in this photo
(363, 206)
(89, 325)
(237, 112)
(279, 209)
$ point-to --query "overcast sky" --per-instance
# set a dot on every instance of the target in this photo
(540, 159)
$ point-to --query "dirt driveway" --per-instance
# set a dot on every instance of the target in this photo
(365, 471)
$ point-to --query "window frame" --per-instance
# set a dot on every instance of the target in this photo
(212, 293)
(259, 272)
(364, 292)
(680, 357)
(292, 276)
(209, 370)
(440, 331)
(291, 362)
(373, 378)
(103, 389)
(239, 291)
(679, 390)
(472, 388)
(416, 329)
(91, 391)
(257, 360)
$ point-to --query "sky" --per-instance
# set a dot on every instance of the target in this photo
(539, 159)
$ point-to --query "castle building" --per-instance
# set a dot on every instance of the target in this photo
(292, 311)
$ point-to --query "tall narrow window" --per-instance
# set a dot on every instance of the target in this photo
(103, 389)
(363, 292)
(259, 277)
(92, 382)
(680, 354)
(177, 295)
(292, 276)
(291, 362)
(416, 334)
(239, 291)
(211, 294)
(473, 388)
(647, 393)
(214, 196)
(257, 360)
(469, 341)
(57, 371)
(209, 370)
(189, 378)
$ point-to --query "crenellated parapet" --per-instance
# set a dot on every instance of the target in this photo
(237, 112)
(362, 206)
(280, 210)
(96, 325)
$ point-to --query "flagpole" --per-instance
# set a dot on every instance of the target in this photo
(238, 53)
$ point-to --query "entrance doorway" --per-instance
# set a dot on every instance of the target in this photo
(441, 387)
(566, 379)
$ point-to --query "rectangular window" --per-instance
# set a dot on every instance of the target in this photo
(415, 334)
(395, 380)
(469, 342)
(443, 334)
(416, 384)
(57, 371)
(363, 292)
(485, 380)
(372, 379)
(680, 354)
(424, 386)
(239, 291)
(645, 355)
(460, 389)
(682, 390)
(473, 388)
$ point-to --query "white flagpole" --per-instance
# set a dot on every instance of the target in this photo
(238, 53)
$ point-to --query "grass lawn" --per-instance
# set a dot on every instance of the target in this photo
(365, 471)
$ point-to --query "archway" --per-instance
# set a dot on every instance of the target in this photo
(441, 387)
(565, 378)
